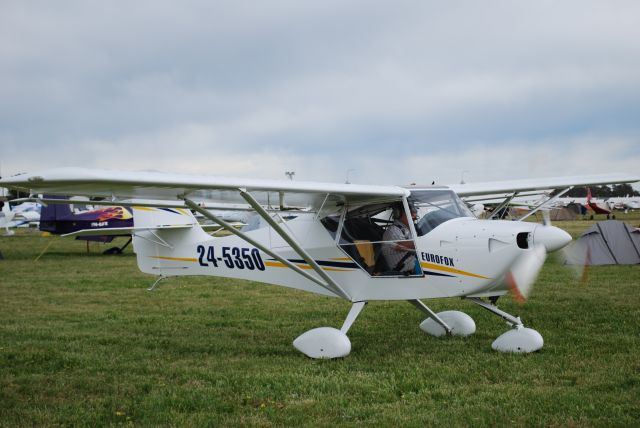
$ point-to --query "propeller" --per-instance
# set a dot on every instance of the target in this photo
(574, 256)
(577, 257)
(524, 271)
(546, 238)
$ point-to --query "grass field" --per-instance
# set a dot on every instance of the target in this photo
(82, 343)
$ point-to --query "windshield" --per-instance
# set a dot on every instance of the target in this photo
(435, 207)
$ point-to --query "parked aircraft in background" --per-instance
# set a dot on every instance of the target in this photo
(26, 214)
(623, 203)
(596, 206)
(88, 221)
(66, 219)
(520, 205)
(23, 215)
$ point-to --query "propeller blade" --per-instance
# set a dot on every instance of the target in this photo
(524, 271)
(577, 258)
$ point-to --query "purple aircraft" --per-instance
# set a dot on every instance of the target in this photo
(59, 219)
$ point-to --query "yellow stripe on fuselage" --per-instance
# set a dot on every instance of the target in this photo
(450, 270)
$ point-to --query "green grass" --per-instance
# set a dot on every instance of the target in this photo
(83, 343)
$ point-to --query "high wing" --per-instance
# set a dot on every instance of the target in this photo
(539, 184)
(118, 185)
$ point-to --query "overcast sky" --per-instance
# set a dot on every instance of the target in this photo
(386, 92)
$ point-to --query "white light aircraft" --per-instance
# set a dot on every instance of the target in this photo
(336, 244)
(27, 212)
(20, 216)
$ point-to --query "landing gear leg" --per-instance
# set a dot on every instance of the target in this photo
(355, 310)
(116, 250)
(450, 323)
(329, 342)
(520, 339)
(432, 315)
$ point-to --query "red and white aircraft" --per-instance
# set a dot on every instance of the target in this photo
(334, 241)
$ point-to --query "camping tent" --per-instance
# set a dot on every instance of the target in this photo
(607, 242)
(570, 212)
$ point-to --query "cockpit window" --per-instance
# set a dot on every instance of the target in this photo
(436, 207)
(375, 237)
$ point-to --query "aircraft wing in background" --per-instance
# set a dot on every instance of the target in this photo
(479, 193)
(533, 185)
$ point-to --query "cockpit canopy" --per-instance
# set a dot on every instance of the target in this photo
(436, 206)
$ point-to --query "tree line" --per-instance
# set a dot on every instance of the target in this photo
(611, 191)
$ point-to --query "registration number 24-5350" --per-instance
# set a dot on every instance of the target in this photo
(232, 257)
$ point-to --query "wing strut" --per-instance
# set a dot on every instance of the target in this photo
(228, 227)
(504, 203)
(424, 308)
(545, 203)
(331, 284)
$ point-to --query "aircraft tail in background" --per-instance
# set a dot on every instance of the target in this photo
(51, 213)
(596, 207)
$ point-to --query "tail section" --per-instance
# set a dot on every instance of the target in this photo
(164, 239)
(50, 214)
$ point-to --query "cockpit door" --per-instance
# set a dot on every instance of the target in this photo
(379, 237)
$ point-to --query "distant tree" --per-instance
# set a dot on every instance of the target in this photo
(616, 190)
(622, 190)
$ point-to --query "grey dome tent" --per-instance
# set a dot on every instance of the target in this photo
(570, 212)
(607, 242)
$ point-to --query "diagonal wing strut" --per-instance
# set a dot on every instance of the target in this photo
(545, 203)
(504, 203)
